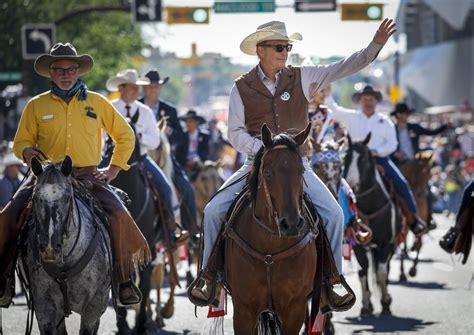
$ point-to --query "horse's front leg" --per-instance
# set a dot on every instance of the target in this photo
(245, 319)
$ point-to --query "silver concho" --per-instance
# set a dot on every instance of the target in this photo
(285, 96)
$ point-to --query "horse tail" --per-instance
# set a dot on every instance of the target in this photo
(269, 323)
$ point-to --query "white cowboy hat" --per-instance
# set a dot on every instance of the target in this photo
(10, 159)
(273, 30)
(128, 76)
(62, 51)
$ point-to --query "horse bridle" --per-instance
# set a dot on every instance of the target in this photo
(272, 214)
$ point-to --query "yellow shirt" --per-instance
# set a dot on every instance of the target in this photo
(75, 129)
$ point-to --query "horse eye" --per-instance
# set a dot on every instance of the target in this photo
(267, 173)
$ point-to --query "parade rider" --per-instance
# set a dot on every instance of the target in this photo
(67, 120)
(278, 95)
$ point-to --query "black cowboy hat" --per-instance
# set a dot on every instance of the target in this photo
(154, 77)
(367, 90)
(192, 114)
(62, 51)
(401, 108)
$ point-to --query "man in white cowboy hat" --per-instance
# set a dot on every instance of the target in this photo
(383, 142)
(11, 180)
(67, 120)
(127, 83)
(278, 95)
(174, 132)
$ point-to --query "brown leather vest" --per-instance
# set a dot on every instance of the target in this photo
(287, 109)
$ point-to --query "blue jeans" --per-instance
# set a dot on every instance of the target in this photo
(184, 187)
(399, 181)
(161, 183)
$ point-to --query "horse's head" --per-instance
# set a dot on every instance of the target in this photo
(327, 164)
(277, 181)
(162, 155)
(207, 179)
(419, 170)
(359, 164)
(52, 205)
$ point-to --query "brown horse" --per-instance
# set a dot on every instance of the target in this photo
(207, 180)
(418, 173)
(270, 247)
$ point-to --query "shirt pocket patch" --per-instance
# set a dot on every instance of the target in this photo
(47, 117)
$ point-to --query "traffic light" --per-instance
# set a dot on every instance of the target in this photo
(182, 15)
(361, 12)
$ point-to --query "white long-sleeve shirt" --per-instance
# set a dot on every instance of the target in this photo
(313, 79)
(383, 139)
(145, 128)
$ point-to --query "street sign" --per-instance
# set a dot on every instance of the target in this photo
(315, 5)
(244, 6)
(10, 76)
(146, 10)
(37, 39)
(183, 15)
(361, 12)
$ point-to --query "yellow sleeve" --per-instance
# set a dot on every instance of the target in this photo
(27, 132)
(122, 135)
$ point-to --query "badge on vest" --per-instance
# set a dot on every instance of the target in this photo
(285, 96)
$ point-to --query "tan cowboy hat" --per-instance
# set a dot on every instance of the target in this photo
(128, 76)
(10, 159)
(62, 51)
(273, 30)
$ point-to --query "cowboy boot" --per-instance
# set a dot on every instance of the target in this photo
(448, 240)
(205, 291)
(418, 227)
(129, 294)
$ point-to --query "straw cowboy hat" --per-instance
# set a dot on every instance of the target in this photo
(367, 90)
(191, 114)
(401, 108)
(154, 77)
(62, 51)
(128, 76)
(273, 30)
(10, 159)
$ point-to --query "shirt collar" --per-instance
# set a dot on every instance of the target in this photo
(262, 76)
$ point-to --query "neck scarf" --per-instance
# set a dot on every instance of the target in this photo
(79, 86)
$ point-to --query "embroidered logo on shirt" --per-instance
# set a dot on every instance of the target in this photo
(47, 117)
(285, 96)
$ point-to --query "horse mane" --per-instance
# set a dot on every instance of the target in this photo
(281, 139)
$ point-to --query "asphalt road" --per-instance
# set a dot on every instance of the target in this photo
(439, 300)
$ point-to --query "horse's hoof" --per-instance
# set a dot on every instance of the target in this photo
(167, 311)
(160, 323)
(412, 272)
(124, 330)
(366, 312)
(386, 310)
(403, 278)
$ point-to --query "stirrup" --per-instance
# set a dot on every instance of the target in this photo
(196, 288)
(331, 301)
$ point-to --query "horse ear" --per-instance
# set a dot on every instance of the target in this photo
(217, 163)
(66, 166)
(36, 166)
(161, 124)
(367, 139)
(135, 117)
(301, 137)
(267, 136)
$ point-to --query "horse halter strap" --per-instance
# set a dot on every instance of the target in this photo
(272, 214)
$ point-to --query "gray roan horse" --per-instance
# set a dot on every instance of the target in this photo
(143, 212)
(65, 239)
(377, 209)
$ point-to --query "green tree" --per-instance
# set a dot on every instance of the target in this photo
(109, 37)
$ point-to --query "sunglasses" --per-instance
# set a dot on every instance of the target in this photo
(62, 71)
(278, 47)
